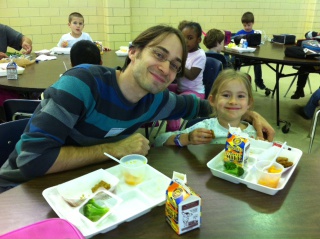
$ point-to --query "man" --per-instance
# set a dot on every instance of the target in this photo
(93, 109)
(12, 38)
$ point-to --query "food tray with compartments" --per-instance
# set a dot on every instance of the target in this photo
(259, 150)
(240, 49)
(136, 200)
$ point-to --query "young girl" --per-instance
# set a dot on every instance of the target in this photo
(191, 82)
(230, 98)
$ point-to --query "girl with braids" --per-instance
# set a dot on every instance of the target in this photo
(191, 81)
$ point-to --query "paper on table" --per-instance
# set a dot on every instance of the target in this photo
(46, 58)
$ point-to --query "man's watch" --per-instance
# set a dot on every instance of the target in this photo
(177, 140)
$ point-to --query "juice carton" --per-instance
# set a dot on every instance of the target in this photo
(237, 146)
(183, 207)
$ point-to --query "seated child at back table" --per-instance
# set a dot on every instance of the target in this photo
(230, 98)
(76, 24)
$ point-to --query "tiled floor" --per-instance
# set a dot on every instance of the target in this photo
(298, 135)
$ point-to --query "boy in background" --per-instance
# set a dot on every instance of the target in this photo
(214, 41)
(76, 24)
(247, 20)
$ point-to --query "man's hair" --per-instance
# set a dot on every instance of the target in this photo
(154, 35)
(247, 17)
(85, 51)
(212, 38)
(75, 14)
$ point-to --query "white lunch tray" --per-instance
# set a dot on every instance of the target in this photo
(61, 50)
(3, 69)
(137, 200)
(121, 53)
(259, 150)
(240, 49)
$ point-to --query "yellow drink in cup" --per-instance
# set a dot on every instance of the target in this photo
(133, 168)
(269, 177)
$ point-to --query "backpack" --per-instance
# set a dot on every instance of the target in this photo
(300, 52)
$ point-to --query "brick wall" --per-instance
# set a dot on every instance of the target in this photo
(116, 22)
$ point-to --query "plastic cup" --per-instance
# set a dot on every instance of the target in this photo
(267, 178)
(134, 167)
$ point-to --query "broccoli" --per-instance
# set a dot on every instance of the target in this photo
(232, 168)
(93, 211)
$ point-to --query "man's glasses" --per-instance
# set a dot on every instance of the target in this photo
(162, 56)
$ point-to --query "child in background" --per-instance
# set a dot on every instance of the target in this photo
(230, 98)
(247, 20)
(214, 41)
(191, 82)
(76, 24)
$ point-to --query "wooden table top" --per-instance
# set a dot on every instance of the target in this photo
(228, 210)
(39, 76)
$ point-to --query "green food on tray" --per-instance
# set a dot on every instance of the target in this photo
(232, 168)
(94, 211)
(13, 54)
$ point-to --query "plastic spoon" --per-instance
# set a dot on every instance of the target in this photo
(110, 156)
(275, 158)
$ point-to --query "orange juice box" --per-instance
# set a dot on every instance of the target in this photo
(237, 146)
(183, 207)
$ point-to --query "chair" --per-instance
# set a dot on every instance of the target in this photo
(19, 108)
(194, 121)
(10, 134)
(313, 127)
(294, 79)
(219, 57)
(211, 70)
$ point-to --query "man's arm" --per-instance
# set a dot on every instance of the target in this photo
(263, 128)
(71, 157)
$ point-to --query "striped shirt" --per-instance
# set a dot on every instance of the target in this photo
(86, 107)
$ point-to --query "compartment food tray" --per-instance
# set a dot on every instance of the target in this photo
(137, 200)
(259, 150)
(240, 49)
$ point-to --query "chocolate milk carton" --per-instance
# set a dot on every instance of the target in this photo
(183, 207)
(237, 146)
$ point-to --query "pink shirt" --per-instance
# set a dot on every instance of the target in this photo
(195, 59)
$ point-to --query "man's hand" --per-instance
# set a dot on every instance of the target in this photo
(263, 128)
(26, 44)
(3, 55)
(134, 144)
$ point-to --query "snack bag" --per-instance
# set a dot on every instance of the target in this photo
(183, 207)
(237, 146)
(100, 46)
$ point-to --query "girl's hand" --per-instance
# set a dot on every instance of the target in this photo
(201, 136)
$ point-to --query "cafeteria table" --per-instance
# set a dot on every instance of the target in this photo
(269, 54)
(39, 76)
(228, 210)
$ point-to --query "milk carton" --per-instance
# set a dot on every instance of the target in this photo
(237, 146)
(183, 207)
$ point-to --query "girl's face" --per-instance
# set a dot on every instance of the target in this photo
(192, 40)
(231, 102)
